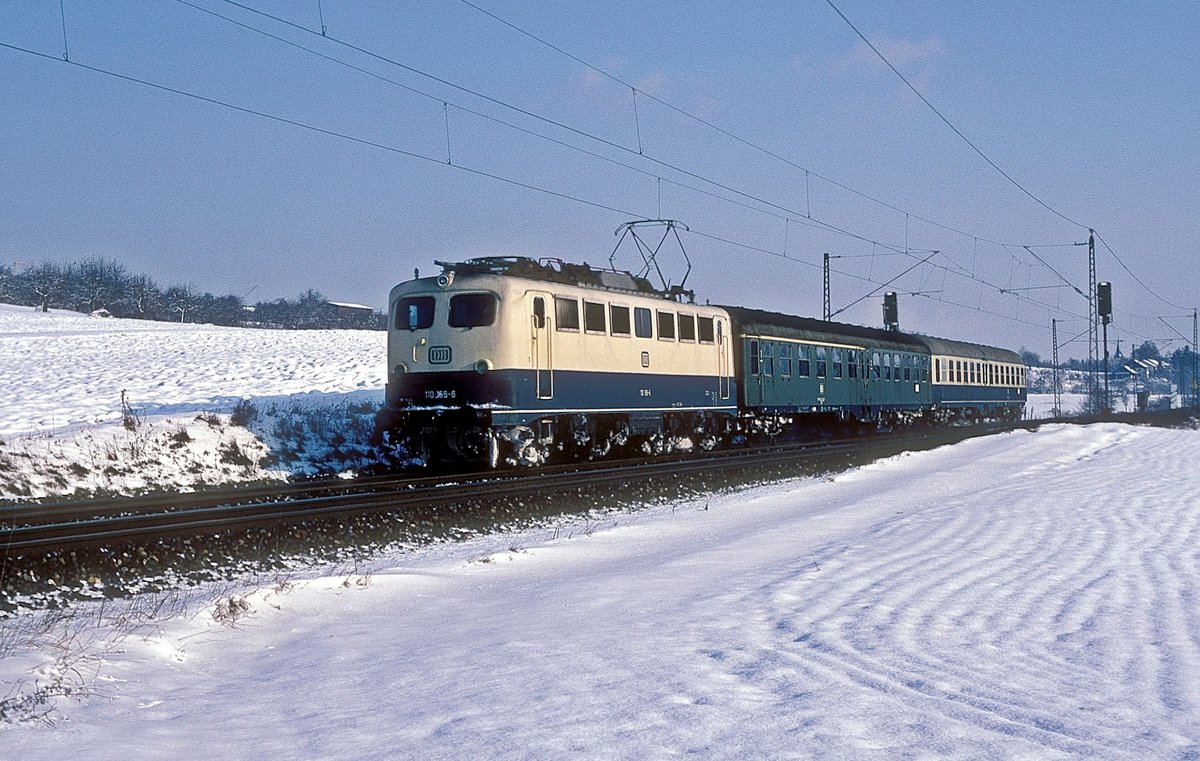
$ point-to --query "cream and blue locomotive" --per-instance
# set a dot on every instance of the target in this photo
(508, 360)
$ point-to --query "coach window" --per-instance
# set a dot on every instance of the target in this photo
(643, 324)
(472, 310)
(593, 317)
(566, 312)
(666, 326)
(822, 362)
(414, 313)
(687, 328)
(619, 320)
(785, 360)
(754, 357)
(852, 364)
(768, 361)
(704, 326)
(876, 364)
(837, 363)
(803, 361)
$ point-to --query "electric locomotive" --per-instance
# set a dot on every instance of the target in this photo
(510, 360)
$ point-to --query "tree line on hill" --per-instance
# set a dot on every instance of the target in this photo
(99, 285)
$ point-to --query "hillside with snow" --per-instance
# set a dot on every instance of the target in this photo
(90, 404)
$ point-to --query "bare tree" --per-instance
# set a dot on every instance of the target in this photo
(97, 282)
(181, 299)
(44, 284)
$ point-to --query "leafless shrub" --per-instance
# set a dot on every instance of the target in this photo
(229, 610)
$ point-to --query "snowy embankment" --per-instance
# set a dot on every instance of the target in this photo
(1031, 595)
(107, 404)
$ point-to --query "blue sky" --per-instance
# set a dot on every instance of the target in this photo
(1092, 107)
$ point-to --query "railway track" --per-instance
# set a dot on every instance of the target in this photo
(31, 530)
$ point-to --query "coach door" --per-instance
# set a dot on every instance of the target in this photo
(722, 362)
(542, 350)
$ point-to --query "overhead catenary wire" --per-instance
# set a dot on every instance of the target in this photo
(781, 211)
(801, 218)
(950, 124)
(400, 151)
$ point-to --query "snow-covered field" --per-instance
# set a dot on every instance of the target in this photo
(1031, 595)
(64, 376)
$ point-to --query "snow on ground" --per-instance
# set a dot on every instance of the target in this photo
(1031, 595)
(65, 370)
(63, 376)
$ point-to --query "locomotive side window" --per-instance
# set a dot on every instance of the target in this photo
(704, 326)
(539, 312)
(687, 327)
(593, 317)
(566, 312)
(643, 324)
(619, 320)
(666, 326)
(803, 361)
(414, 313)
(472, 310)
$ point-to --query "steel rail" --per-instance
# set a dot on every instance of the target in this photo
(31, 529)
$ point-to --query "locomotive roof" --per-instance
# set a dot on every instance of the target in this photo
(558, 271)
(812, 329)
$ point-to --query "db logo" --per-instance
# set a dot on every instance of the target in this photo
(439, 355)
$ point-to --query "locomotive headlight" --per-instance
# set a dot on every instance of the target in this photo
(400, 369)
(483, 365)
(445, 279)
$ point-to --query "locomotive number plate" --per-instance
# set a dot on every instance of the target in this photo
(439, 355)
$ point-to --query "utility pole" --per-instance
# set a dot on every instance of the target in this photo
(825, 312)
(1195, 363)
(1093, 386)
(1057, 384)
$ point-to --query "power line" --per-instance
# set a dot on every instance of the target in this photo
(716, 127)
(948, 123)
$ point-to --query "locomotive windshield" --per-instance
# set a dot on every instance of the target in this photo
(414, 313)
(472, 310)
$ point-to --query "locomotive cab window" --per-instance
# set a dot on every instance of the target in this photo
(414, 313)
(643, 322)
(593, 317)
(704, 326)
(619, 320)
(566, 312)
(472, 310)
(666, 326)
